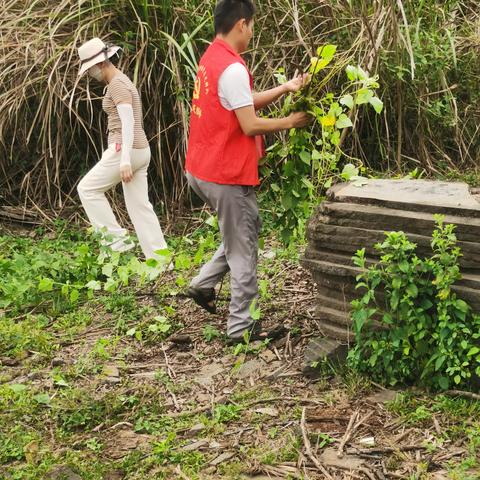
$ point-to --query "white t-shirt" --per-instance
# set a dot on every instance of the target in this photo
(234, 87)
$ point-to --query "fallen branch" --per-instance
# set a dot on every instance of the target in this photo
(196, 411)
(448, 455)
(368, 473)
(308, 447)
(362, 420)
(372, 451)
(460, 393)
(285, 399)
(223, 399)
(182, 475)
(348, 433)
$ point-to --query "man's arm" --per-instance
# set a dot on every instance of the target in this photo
(253, 125)
(263, 99)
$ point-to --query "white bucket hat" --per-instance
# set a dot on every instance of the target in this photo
(95, 51)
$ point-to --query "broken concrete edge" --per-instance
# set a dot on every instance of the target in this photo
(321, 350)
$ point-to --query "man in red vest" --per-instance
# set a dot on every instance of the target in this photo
(222, 163)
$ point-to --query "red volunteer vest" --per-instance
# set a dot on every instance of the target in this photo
(218, 150)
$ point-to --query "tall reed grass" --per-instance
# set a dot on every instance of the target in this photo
(51, 128)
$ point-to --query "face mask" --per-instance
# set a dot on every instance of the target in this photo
(96, 73)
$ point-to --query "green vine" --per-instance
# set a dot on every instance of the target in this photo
(301, 167)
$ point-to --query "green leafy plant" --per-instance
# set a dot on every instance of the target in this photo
(226, 413)
(152, 330)
(210, 333)
(308, 162)
(167, 452)
(75, 410)
(12, 446)
(18, 338)
(58, 274)
(424, 333)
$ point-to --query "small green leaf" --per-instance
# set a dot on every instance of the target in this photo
(182, 262)
(473, 351)
(318, 64)
(45, 285)
(212, 221)
(397, 283)
(352, 73)
(462, 306)
(107, 269)
(335, 138)
(93, 285)
(306, 157)
(42, 398)
(359, 181)
(388, 319)
(17, 387)
(364, 96)
(327, 51)
(443, 383)
(426, 304)
(347, 100)
(60, 382)
(308, 184)
(343, 122)
(361, 73)
(74, 295)
(377, 104)
(349, 171)
(255, 311)
(412, 290)
(439, 362)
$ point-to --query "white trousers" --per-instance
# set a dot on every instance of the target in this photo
(106, 175)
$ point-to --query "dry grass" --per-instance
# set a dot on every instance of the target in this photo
(426, 54)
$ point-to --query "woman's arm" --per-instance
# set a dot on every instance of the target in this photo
(125, 112)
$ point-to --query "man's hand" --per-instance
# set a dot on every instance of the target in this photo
(126, 173)
(300, 119)
(297, 82)
(262, 99)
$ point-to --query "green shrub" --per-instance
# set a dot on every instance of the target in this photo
(428, 336)
(57, 274)
(76, 410)
(16, 338)
(12, 444)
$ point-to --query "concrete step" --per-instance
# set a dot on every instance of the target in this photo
(368, 216)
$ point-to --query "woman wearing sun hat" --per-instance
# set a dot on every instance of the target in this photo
(126, 159)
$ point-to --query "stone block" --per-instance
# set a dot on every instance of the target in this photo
(322, 349)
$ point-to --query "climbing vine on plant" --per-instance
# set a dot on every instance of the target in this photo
(308, 162)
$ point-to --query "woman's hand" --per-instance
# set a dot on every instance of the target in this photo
(126, 173)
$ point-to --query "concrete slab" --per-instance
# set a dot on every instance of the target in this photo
(422, 195)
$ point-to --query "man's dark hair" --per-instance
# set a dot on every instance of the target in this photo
(229, 12)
